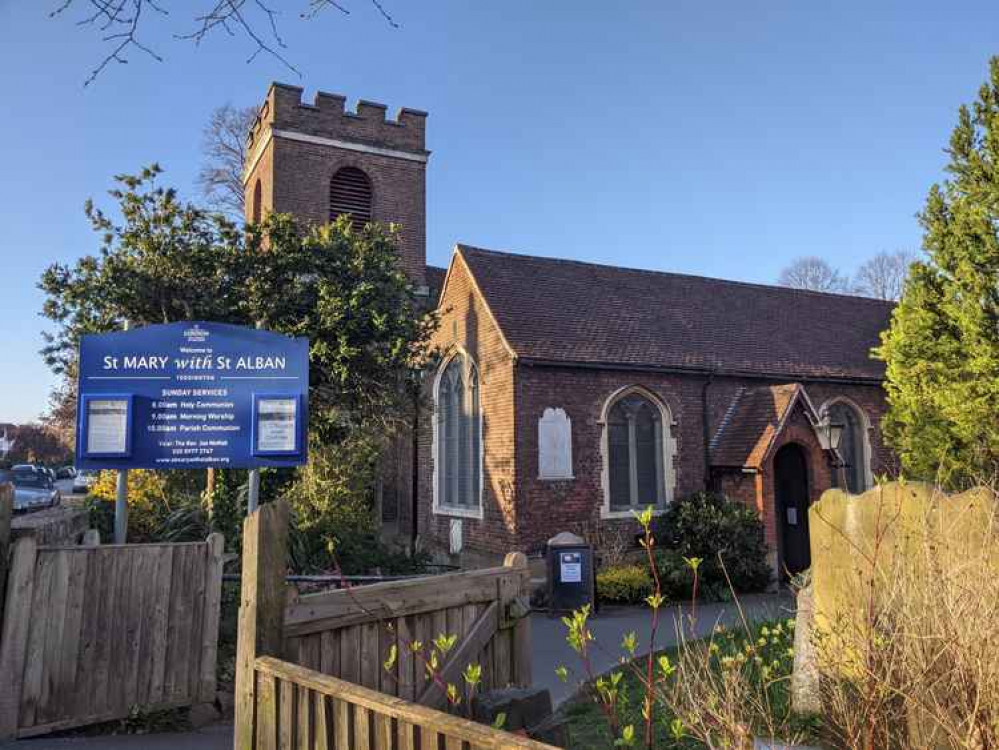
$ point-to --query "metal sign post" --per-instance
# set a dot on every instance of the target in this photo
(121, 508)
(121, 499)
(253, 481)
(253, 494)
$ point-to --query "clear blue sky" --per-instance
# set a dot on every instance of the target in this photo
(717, 138)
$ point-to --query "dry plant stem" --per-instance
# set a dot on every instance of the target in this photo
(917, 668)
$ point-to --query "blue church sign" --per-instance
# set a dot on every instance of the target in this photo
(192, 395)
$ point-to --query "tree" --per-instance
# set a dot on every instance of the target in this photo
(123, 24)
(341, 287)
(36, 443)
(813, 273)
(60, 416)
(883, 276)
(223, 149)
(942, 349)
(164, 261)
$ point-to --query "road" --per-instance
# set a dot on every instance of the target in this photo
(65, 487)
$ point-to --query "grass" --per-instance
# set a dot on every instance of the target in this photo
(771, 640)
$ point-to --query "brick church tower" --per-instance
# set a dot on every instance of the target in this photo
(318, 161)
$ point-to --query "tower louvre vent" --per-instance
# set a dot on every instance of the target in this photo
(350, 194)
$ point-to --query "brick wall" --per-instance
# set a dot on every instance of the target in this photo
(544, 507)
(466, 321)
(295, 175)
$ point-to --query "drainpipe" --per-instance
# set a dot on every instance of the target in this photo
(706, 427)
(415, 501)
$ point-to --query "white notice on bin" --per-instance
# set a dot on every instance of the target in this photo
(107, 426)
(276, 424)
(572, 568)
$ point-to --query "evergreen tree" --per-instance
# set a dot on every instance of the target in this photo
(942, 349)
(341, 287)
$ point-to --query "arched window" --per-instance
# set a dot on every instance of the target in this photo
(350, 194)
(255, 203)
(638, 453)
(458, 440)
(853, 446)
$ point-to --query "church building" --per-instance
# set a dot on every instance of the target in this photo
(571, 394)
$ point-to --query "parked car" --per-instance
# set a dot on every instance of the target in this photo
(83, 481)
(33, 489)
(65, 472)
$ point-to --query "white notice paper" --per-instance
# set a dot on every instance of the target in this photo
(107, 426)
(572, 568)
(277, 421)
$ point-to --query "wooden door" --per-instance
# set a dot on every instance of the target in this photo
(792, 500)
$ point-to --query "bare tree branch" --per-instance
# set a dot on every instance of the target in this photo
(121, 22)
(883, 276)
(223, 149)
(229, 14)
(815, 274)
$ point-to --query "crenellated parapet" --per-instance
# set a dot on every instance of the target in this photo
(327, 117)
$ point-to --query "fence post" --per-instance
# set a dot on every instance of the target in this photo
(520, 609)
(14, 638)
(6, 511)
(261, 609)
(210, 629)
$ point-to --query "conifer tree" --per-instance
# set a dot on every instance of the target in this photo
(942, 349)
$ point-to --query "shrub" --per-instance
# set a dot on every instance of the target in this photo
(332, 504)
(707, 525)
(624, 584)
(156, 513)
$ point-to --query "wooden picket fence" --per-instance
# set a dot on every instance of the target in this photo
(310, 670)
(91, 632)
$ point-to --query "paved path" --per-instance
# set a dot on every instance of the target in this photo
(215, 737)
(549, 650)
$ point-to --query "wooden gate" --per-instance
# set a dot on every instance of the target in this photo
(349, 633)
(311, 670)
(88, 633)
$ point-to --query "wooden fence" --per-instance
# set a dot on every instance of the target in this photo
(348, 633)
(310, 669)
(88, 633)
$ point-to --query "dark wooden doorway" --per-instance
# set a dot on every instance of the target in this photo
(791, 497)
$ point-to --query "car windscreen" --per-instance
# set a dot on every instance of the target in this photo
(31, 479)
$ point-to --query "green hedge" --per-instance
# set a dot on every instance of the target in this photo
(624, 584)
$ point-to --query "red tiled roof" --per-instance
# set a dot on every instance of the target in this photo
(573, 312)
(435, 281)
(752, 423)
